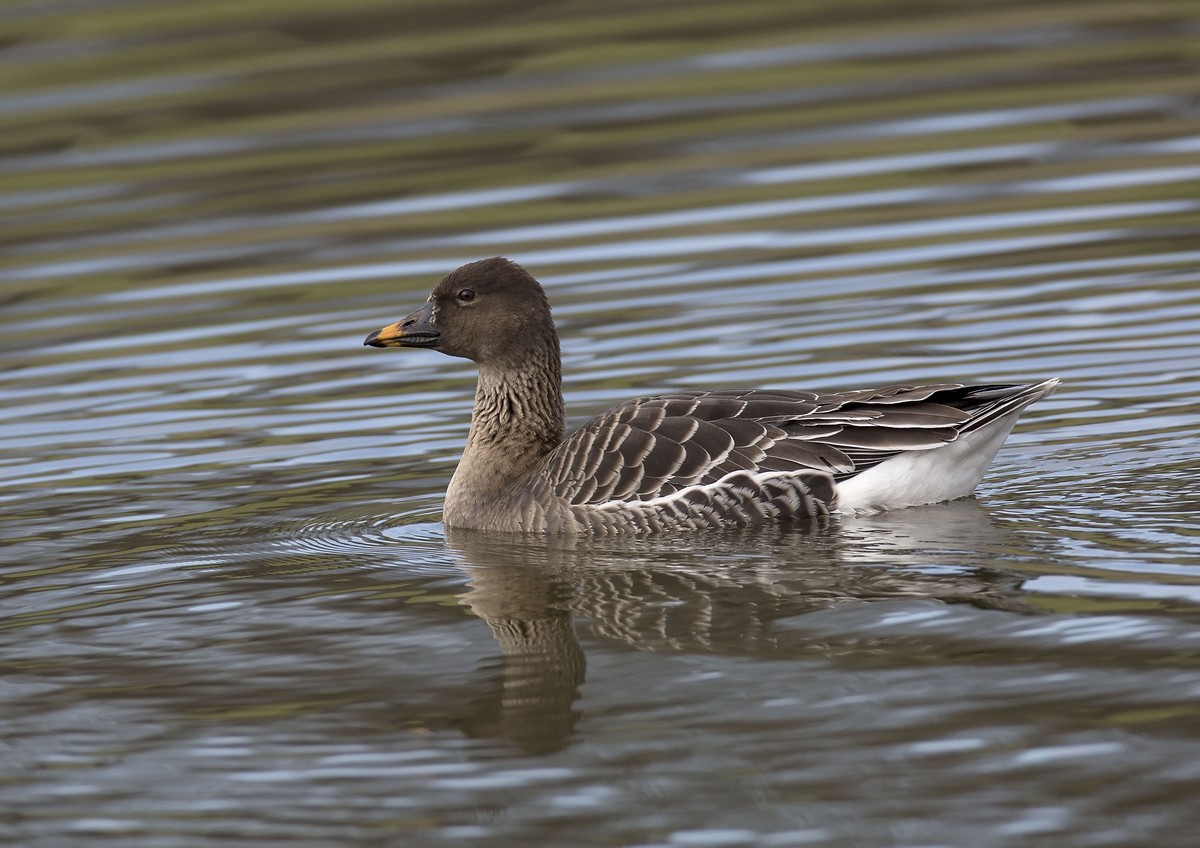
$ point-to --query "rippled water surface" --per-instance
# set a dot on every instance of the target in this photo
(231, 614)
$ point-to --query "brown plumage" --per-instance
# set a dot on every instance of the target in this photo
(682, 460)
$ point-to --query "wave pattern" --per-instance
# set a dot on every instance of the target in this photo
(221, 513)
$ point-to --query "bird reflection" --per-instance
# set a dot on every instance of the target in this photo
(720, 592)
(543, 664)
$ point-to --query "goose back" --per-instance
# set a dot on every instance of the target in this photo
(733, 458)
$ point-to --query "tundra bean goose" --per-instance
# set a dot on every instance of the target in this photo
(685, 460)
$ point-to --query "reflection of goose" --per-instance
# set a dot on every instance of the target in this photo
(735, 593)
(543, 664)
(686, 460)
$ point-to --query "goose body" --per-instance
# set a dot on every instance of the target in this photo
(685, 460)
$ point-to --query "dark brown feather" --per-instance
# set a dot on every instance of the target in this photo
(652, 447)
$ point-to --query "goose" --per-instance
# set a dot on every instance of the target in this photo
(684, 460)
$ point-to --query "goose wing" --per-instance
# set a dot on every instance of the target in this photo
(651, 448)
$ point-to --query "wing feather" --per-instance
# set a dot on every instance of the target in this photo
(791, 445)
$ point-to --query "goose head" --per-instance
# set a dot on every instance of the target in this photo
(492, 312)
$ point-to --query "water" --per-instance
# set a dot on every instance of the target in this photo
(231, 615)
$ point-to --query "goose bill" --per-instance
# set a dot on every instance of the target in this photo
(414, 331)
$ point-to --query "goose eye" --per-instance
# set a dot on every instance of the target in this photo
(466, 296)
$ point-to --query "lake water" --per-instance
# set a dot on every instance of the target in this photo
(231, 615)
